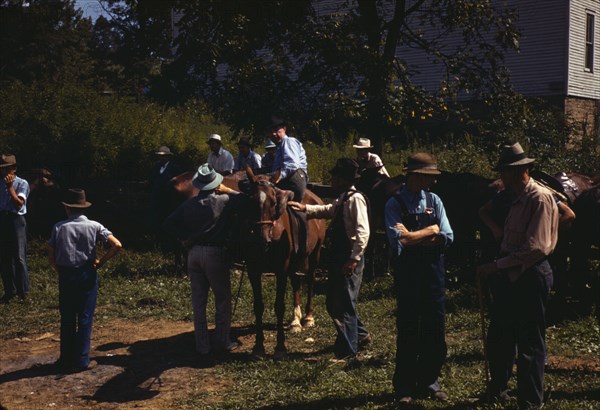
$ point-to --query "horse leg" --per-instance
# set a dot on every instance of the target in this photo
(309, 320)
(295, 325)
(255, 281)
(280, 349)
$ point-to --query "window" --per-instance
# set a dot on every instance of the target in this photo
(589, 42)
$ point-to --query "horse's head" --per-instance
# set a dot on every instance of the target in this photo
(182, 184)
(270, 204)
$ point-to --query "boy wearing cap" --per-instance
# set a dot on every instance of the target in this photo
(418, 232)
(367, 159)
(203, 223)
(246, 157)
(349, 234)
(520, 281)
(269, 156)
(13, 230)
(218, 157)
(72, 252)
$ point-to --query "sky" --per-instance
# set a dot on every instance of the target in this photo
(91, 8)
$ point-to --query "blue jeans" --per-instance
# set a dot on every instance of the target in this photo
(78, 290)
(342, 294)
(13, 254)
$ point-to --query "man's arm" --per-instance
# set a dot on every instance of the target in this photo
(115, 246)
(16, 200)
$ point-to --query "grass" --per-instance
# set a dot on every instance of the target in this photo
(140, 285)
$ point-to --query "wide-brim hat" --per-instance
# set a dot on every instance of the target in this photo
(164, 150)
(270, 144)
(214, 137)
(422, 163)
(513, 155)
(75, 198)
(8, 160)
(244, 141)
(346, 168)
(278, 124)
(363, 143)
(206, 178)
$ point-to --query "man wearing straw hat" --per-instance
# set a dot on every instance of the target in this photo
(13, 230)
(418, 232)
(72, 252)
(218, 157)
(520, 281)
(203, 223)
(367, 159)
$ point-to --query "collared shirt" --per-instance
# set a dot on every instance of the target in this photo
(163, 168)
(530, 230)
(74, 240)
(289, 157)
(222, 162)
(373, 161)
(203, 219)
(252, 159)
(416, 203)
(21, 188)
(356, 220)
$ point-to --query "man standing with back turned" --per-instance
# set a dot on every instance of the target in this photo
(418, 231)
(520, 281)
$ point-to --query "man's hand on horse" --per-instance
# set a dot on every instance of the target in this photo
(297, 206)
(222, 189)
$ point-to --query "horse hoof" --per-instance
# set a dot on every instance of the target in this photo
(280, 354)
(258, 352)
(308, 322)
(295, 328)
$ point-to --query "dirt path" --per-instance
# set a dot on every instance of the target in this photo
(146, 365)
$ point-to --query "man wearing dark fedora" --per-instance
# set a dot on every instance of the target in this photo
(13, 230)
(246, 156)
(72, 252)
(290, 161)
(348, 234)
(520, 280)
(203, 224)
(418, 232)
(161, 194)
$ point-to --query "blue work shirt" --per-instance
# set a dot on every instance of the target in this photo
(74, 241)
(203, 219)
(289, 157)
(252, 159)
(416, 203)
(21, 188)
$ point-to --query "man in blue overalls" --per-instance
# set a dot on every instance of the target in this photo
(418, 231)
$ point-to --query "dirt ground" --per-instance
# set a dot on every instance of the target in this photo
(149, 364)
(146, 365)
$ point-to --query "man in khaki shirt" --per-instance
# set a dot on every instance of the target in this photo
(520, 281)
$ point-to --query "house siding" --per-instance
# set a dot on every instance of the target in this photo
(583, 83)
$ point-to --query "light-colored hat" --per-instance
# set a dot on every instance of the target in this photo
(8, 160)
(164, 150)
(513, 155)
(270, 144)
(422, 163)
(75, 198)
(363, 143)
(206, 178)
(214, 137)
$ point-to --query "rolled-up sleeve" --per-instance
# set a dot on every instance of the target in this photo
(393, 216)
(357, 225)
(446, 232)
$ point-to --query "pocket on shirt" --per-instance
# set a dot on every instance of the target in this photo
(515, 237)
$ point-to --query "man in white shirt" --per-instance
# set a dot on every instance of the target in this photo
(367, 159)
(219, 158)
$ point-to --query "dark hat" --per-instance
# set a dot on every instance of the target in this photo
(206, 178)
(345, 168)
(513, 155)
(8, 160)
(164, 150)
(422, 163)
(245, 141)
(75, 198)
(275, 125)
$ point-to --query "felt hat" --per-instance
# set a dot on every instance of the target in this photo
(275, 125)
(206, 178)
(164, 150)
(8, 160)
(363, 143)
(513, 155)
(345, 168)
(245, 141)
(422, 163)
(270, 144)
(75, 198)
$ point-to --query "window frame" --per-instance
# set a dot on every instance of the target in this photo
(590, 27)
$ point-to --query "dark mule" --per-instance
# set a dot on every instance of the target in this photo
(44, 206)
(268, 246)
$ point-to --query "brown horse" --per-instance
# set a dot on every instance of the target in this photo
(268, 246)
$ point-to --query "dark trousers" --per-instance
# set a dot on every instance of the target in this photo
(78, 290)
(342, 294)
(13, 254)
(420, 320)
(295, 183)
(518, 326)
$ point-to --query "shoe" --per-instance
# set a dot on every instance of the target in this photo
(23, 299)
(205, 360)
(364, 341)
(233, 346)
(404, 400)
(502, 398)
(5, 300)
(91, 365)
(440, 396)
